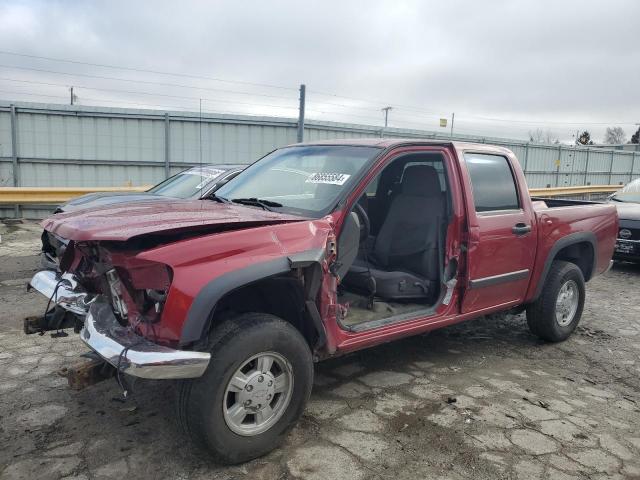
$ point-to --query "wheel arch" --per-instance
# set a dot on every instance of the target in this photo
(286, 287)
(578, 248)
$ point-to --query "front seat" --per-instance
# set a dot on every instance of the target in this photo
(404, 260)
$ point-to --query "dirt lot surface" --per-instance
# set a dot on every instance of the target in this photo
(484, 399)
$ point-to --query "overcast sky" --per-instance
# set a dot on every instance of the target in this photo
(500, 66)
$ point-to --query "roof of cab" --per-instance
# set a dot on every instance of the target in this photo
(394, 142)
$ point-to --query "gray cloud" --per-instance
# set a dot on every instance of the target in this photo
(537, 61)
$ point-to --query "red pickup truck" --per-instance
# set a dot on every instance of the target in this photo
(315, 250)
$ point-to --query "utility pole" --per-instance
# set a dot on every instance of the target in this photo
(303, 90)
(72, 96)
(453, 117)
(386, 115)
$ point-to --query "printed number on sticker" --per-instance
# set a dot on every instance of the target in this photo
(328, 178)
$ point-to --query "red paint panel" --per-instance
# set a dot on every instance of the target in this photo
(121, 222)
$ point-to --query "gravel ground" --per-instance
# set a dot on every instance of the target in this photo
(484, 399)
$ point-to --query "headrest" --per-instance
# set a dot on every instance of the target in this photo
(421, 180)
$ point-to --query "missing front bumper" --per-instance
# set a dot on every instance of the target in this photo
(118, 345)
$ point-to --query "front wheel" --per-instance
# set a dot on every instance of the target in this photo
(557, 312)
(254, 390)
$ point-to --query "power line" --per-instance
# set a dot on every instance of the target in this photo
(543, 122)
(183, 75)
(142, 70)
(13, 92)
(149, 104)
(147, 82)
(505, 120)
(399, 114)
(376, 102)
(137, 92)
(256, 84)
(127, 102)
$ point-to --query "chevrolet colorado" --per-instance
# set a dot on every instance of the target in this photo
(315, 250)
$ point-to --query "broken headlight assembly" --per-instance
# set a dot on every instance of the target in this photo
(138, 292)
(116, 290)
(158, 297)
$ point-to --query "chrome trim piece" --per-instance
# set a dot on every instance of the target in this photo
(507, 211)
(135, 355)
(497, 279)
(63, 290)
(625, 240)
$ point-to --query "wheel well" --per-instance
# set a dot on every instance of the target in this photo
(581, 254)
(282, 296)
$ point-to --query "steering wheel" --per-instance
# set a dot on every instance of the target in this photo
(365, 224)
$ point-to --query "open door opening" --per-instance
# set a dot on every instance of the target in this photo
(399, 227)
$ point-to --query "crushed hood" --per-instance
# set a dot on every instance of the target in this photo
(121, 222)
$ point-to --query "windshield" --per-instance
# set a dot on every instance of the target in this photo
(305, 180)
(630, 193)
(187, 184)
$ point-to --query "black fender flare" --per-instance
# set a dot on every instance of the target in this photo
(567, 241)
(205, 302)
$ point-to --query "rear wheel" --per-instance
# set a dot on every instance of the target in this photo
(557, 312)
(254, 390)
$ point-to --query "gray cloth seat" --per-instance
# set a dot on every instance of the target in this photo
(404, 258)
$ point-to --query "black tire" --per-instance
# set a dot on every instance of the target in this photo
(541, 314)
(200, 401)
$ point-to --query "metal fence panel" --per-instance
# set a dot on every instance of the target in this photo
(5, 134)
(61, 145)
(6, 174)
(623, 162)
(599, 161)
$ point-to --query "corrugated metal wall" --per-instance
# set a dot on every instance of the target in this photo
(60, 145)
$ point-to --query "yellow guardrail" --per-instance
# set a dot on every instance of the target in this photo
(577, 190)
(57, 195)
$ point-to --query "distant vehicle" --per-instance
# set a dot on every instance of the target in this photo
(239, 294)
(193, 183)
(628, 204)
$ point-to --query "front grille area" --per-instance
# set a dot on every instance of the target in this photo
(53, 245)
(632, 226)
(635, 232)
(628, 243)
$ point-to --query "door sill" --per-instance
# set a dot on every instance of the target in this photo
(383, 322)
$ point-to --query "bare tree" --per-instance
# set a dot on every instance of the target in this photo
(542, 136)
(615, 136)
(635, 138)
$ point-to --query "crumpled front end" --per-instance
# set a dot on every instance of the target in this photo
(115, 301)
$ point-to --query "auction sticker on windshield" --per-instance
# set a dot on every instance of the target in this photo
(205, 172)
(328, 178)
